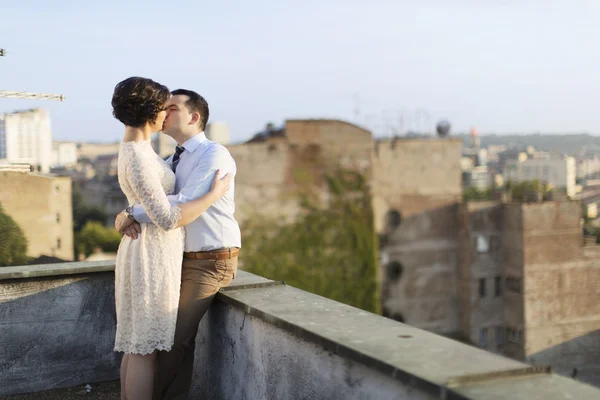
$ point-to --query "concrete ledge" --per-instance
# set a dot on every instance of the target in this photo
(428, 363)
(242, 278)
(550, 386)
(261, 339)
(70, 268)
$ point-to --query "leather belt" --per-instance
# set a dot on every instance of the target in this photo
(224, 254)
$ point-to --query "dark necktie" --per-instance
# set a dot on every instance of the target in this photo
(178, 151)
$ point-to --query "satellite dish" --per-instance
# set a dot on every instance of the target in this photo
(443, 128)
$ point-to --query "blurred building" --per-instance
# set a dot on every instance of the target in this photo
(509, 155)
(558, 173)
(528, 284)
(493, 152)
(474, 165)
(26, 137)
(92, 150)
(218, 132)
(163, 145)
(64, 154)
(513, 278)
(106, 166)
(588, 168)
(477, 177)
(41, 206)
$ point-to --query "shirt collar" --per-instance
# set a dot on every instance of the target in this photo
(194, 142)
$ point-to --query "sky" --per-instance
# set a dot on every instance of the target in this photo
(502, 66)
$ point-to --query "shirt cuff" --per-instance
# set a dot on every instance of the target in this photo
(140, 215)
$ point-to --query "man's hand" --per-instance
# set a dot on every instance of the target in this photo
(133, 230)
(122, 222)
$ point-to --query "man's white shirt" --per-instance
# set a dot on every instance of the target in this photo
(216, 228)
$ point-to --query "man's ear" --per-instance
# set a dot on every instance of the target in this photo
(195, 118)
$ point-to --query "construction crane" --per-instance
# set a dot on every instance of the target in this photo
(28, 95)
(35, 96)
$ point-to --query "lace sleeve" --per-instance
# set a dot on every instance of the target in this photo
(151, 194)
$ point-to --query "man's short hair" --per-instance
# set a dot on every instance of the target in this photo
(195, 103)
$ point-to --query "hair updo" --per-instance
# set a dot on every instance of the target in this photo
(137, 101)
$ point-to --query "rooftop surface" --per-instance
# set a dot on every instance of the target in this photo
(98, 391)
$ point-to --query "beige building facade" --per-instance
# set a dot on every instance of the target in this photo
(41, 206)
(533, 285)
(269, 171)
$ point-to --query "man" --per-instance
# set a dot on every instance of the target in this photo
(212, 241)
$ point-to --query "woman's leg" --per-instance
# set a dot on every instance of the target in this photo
(140, 376)
(124, 375)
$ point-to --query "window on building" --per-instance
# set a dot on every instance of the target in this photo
(519, 336)
(498, 286)
(513, 284)
(393, 219)
(481, 244)
(58, 243)
(499, 335)
(483, 333)
(494, 243)
(482, 287)
(394, 271)
(514, 335)
(57, 218)
(546, 172)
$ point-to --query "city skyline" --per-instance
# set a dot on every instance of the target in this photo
(509, 68)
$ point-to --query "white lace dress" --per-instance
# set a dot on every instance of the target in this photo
(148, 269)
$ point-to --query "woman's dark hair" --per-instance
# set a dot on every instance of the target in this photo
(137, 101)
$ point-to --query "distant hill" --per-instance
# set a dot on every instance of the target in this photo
(575, 144)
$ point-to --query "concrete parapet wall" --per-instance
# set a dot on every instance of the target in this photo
(261, 339)
(56, 332)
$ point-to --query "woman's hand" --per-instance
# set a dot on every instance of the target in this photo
(220, 186)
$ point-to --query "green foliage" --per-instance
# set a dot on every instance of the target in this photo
(96, 235)
(13, 243)
(474, 194)
(526, 191)
(529, 191)
(82, 214)
(329, 250)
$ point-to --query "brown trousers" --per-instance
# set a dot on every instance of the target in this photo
(200, 282)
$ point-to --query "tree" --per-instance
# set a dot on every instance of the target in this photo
(82, 214)
(529, 191)
(475, 194)
(13, 243)
(329, 250)
(95, 235)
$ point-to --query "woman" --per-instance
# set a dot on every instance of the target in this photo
(148, 269)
